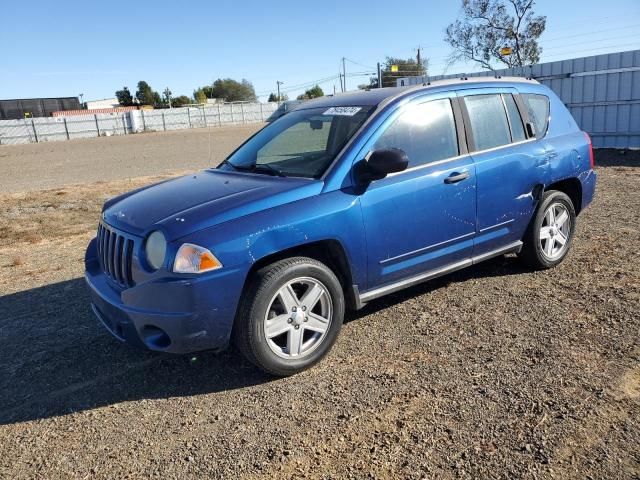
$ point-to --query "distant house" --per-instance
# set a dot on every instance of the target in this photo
(104, 103)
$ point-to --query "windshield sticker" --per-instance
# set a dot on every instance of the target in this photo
(344, 111)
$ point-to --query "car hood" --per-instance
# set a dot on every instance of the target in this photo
(191, 203)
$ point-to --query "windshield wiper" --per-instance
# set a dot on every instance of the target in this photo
(235, 167)
(256, 167)
(265, 167)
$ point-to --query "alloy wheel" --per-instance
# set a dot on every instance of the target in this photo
(555, 231)
(298, 318)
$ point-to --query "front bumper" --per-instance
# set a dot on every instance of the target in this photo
(174, 315)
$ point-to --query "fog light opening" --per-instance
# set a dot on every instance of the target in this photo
(155, 337)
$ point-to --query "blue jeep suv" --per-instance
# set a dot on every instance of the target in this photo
(341, 201)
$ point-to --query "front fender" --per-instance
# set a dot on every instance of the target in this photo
(332, 216)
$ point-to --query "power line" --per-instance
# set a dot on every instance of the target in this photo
(439, 60)
(623, 37)
(635, 44)
(562, 37)
(301, 85)
(360, 64)
(568, 54)
(445, 65)
(590, 33)
(311, 84)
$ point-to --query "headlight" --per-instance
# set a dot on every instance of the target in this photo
(155, 249)
(194, 259)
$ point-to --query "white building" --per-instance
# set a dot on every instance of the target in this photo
(104, 103)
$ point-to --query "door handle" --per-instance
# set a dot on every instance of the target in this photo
(456, 177)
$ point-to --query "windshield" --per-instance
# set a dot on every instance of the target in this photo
(303, 143)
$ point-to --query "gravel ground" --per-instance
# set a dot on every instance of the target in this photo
(492, 372)
(113, 158)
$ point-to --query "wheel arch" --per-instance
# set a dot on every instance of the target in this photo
(572, 188)
(331, 252)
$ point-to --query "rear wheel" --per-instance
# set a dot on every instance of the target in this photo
(548, 238)
(290, 315)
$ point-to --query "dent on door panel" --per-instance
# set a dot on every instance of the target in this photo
(507, 180)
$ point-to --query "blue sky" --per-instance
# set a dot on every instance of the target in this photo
(63, 48)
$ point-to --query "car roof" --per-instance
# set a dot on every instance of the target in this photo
(377, 96)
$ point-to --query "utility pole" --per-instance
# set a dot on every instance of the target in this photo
(344, 74)
(278, 83)
(419, 60)
(379, 76)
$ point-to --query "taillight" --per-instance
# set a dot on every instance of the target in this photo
(592, 160)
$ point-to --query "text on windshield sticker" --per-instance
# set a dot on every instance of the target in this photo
(344, 111)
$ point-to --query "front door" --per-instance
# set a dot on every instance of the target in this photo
(423, 218)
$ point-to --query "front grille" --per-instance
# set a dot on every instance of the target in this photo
(115, 251)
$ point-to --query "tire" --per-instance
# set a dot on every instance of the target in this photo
(275, 302)
(542, 244)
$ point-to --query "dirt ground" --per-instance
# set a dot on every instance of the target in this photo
(492, 372)
(93, 160)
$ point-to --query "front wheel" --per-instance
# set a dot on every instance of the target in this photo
(290, 315)
(548, 238)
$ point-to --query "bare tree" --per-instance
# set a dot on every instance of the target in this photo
(486, 27)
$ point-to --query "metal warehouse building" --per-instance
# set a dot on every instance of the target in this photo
(602, 92)
(36, 107)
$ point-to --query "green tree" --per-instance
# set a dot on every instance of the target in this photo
(230, 90)
(200, 96)
(274, 97)
(124, 97)
(166, 96)
(180, 101)
(314, 92)
(146, 95)
(486, 27)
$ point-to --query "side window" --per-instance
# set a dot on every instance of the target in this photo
(515, 121)
(488, 121)
(426, 132)
(538, 109)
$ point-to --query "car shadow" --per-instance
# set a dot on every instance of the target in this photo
(56, 358)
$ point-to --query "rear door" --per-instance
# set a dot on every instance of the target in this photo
(508, 167)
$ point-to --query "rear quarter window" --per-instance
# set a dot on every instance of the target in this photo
(538, 111)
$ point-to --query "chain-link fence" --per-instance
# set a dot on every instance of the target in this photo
(50, 129)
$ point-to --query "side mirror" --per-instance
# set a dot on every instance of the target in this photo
(381, 163)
